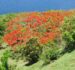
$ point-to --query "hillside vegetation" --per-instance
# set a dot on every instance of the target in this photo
(37, 41)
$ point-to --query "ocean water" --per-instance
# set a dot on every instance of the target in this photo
(12, 6)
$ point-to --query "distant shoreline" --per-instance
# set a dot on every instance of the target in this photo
(14, 12)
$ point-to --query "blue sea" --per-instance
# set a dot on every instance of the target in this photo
(13, 6)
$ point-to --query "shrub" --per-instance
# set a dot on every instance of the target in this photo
(68, 31)
(29, 52)
(4, 60)
(50, 52)
(32, 50)
(42, 25)
(17, 53)
(3, 20)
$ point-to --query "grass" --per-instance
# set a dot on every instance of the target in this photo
(66, 62)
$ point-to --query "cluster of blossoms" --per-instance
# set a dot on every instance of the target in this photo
(44, 26)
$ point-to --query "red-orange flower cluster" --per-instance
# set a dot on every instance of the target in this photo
(44, 26)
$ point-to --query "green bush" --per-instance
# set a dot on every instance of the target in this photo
(3, 20)
(30, 52)
(68, 33)
(18, 53)
(50, 52)
(4, 60)
(33, 51)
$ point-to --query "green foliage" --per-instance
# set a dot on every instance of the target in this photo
(1, 41)
(68, 31)
(4, 60)
(18, 53)
(29, 52)
(50, 52)
(1, 30)
(32, 50)
(3, 20)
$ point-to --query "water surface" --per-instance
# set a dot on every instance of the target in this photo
(11, 6)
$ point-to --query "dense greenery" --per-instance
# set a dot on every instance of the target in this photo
(33, 39)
